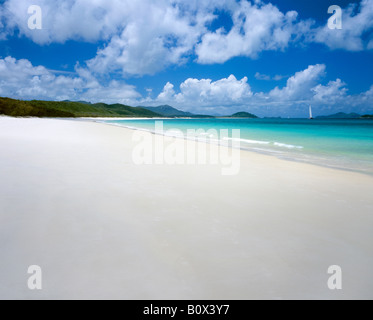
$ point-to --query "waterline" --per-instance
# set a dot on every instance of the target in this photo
(340, 144)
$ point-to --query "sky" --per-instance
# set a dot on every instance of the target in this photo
(267, 57)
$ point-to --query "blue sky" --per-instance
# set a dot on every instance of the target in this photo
(271, 58)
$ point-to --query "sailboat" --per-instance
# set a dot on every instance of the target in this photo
(311, 115)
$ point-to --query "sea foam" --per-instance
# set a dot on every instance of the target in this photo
(288, 146)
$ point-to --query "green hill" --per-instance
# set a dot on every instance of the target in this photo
(169, 111)
(341, 115)
(67, 109)
(368, 116)
(244, 115)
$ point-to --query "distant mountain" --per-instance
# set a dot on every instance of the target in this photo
(83, 102)
(168, 111)
(127, 111)
(341, 115)
(244, 115)
(65, 109)
(368, 116)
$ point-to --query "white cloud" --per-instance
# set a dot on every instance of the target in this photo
(167, 94)
(230, 95)
(154, 38)
(256, 27)
(68, 19)
(142, 36)
(3, 32)
(20, 79)
(366, 99)
(300, 85)
(207, 93)
(146, 36)
(356, 34)
(266, 77)
(260, 76)
(334, 92)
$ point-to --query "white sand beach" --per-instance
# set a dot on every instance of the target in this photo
(73, 202)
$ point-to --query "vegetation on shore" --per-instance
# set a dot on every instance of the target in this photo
(169, 111)
(244, 115)
(67, 109)
(341, 115)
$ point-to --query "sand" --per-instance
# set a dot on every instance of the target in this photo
(73, 202)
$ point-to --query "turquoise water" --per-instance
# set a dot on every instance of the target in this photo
(343, 144)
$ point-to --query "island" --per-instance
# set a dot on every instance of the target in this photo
(68, 109)
(83, 109)
(244, 115)
(341, 115)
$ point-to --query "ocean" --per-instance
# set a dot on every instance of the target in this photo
(341, 144)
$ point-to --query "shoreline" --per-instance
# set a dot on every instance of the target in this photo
(286, 157)
(101, 227)
(245, 149)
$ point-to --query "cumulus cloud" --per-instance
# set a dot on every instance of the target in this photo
(333, 92)
(20, 79)
(230, 95)
(167, 94)
(67, 19)
(208, 93)
(256, 27)
(146, 36)
(299, 86)
(154, 38)
(363, 100)
(357, 30)
(141, 37)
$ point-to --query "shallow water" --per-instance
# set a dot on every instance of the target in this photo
(344, 144)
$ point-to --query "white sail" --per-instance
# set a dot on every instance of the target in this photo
(311, 115)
